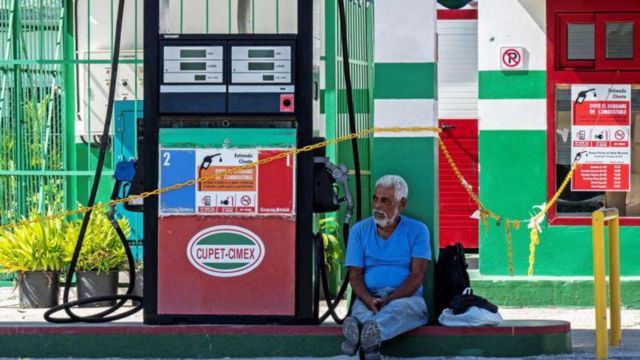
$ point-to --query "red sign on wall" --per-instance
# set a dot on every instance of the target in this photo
(601, 132)
(601, 113)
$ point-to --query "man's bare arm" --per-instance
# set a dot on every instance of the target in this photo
(412, 282)
(356, 279)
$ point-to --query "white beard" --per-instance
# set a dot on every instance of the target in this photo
(384, 221)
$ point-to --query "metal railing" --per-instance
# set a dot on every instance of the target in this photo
(598, 220)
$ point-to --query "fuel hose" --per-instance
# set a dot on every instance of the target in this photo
(108, 314)
(332, 305)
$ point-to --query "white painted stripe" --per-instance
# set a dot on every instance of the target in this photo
(261, 89)
(405, 31)
(193, 88)
(503, 23)
(519, 114)
(405, 113)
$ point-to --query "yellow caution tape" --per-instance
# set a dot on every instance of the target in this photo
(533, 235)
(507, 230)
(485, 213)
(294, 151)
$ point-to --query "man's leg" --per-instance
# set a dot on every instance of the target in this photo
(401, 315)
(398, 316)
(351, 327)
(361, 312)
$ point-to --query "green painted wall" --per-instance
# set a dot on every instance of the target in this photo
(405, 81)
(512, 85)
(513, 178)
(418, 166)
(566, 291)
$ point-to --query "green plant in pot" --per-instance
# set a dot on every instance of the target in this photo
(36, 252)
(333, 255)
(101, 258)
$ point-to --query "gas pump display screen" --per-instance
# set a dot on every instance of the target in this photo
(193, 66)
(193, 53)
(253, 53)
(261, 66)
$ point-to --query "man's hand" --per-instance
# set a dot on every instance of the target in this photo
(374, 304)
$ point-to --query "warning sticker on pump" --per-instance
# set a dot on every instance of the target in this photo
(217, 161)
(231, 193)
(267, 189)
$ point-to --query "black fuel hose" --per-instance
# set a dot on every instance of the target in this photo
(103, 316)
(332, 305)
(350, 106)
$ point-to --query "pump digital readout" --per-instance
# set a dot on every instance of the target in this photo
(191, 64)
(261, 65)
(193, 53)
(253, 53)
(233, 76)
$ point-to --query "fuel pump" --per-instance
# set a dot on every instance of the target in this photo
(236, 247)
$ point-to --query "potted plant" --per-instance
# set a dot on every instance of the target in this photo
(101, 258)
(36, 252)
(333, 254)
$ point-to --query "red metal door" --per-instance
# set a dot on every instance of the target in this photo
(456, 208)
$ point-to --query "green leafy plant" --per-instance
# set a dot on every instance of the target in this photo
(330, 231)
(102, 250)
(38, 246)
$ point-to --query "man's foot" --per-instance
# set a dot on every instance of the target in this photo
(351, 333)
(370, 340)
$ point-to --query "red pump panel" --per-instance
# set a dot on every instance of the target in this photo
(267, 290)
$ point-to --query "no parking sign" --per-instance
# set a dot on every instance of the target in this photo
(512, 58)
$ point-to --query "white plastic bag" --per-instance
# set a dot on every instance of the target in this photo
(473, 317)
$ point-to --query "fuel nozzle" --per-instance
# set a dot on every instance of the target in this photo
(204, 165)
(582, 95)
(206, 162)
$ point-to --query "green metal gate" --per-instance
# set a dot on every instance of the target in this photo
(32, 127)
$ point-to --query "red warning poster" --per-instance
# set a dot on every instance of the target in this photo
(266, 189)
(601, 131)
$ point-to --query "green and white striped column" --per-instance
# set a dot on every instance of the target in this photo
(513, 124)
(405, 95)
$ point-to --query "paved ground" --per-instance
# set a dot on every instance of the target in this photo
(582, 324)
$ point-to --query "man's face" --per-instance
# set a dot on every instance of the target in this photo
(385, 206)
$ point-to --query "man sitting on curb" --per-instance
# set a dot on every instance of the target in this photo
(387, 256)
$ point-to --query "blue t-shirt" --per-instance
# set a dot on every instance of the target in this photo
(387, 263)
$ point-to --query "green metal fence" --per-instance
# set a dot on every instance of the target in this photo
(54, 70)
(32, 127)
(54, 67)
